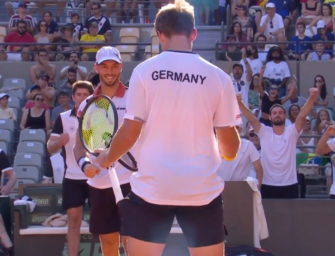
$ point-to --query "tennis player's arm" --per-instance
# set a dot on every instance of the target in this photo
(229, 142)
(122, 142)
(322, 147)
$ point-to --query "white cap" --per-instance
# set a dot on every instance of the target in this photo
(320, 24)
(270, 5)
(3, 95)
(108, 53)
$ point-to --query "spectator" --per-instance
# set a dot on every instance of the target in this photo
(323, 35)
(307, 140)
(9, 173)
(43, 37)
(36, 117)
(5, 111)
(61, 4)
(292, 114)
(320, 83)
(269, 99)
(43, 65)
(248, 24)
(52, 25)
(332, 4)
(232, 50)
(30, 94)
(25, 55)
(236, 30)
(47, 90)
(21, 15)
(327, 17)
(77, 26)
(67, 85)
(67, 42)
(97, 18)
(63, 102)
(235, 3)
(319, 54)
(272, 25)
(203, 8)
(89, 47)
(111, 5)
(19, 36)
(3, 54)
(262, 51)
(276, 69)
(252, 58)
(298, 49)
(11, 5)
(74, 60)
(239, 168)
(254, 96)
(323, 120)
(285, 8)
(310, 9)
(278, 149)
(294, 97)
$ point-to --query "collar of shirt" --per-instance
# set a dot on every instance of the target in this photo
(121, 90)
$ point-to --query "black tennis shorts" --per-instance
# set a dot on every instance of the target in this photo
(201, 225)
(74, 192)
(104, 216)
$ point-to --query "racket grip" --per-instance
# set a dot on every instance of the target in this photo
(115, 184)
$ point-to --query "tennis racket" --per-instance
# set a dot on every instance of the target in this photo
(97, 126)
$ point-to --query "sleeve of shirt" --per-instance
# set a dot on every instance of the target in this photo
(4, 162)
(227, 112)
(136, 99)
(331, 144)
(262, 131)
(287, 72)
(254, 154)
(280, 22)
(58, 127)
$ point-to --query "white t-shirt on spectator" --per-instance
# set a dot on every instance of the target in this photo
(277, 71)
(270, 29)
(180, 97)
(255, 64)
(278, 155)
(239, 168)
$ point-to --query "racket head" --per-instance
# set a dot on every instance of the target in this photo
(98, 123)
(128, 161)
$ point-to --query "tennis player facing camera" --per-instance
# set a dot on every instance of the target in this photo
(104, 218)
(175, 100)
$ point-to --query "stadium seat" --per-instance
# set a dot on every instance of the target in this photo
(20, 181)
(18, 93)
(31, 159)
(33, 135)
(129, 35)
(4, 147)
(14, 83)
(7, 124)
(28, 172)
(14, 102)
(6, 135)
(127, 52)
(31, 147)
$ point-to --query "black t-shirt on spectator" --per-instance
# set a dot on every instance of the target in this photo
(267, 103)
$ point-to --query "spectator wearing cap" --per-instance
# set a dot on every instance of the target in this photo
(272, 24)
(74, 63)
(89, 47)
(327, 17)
(5, 111)
(21, 15)
(43, 65)
(19, 36)
(325, 36)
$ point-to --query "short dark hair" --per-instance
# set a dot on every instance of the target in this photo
(301, 23)
(72, 70)
(84, 85)
(238, 65)
(21, 21)
(74, 14)
(277, 106)
(175, 19)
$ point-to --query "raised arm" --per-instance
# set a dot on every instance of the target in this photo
(322, 147)
(306, 109)
(248, 114)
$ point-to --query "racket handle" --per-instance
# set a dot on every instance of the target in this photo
(115, 184)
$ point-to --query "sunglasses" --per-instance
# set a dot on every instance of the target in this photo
(271, 24)
(39, 99)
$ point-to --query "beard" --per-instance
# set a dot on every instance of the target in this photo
(278, 122)
(110, 82)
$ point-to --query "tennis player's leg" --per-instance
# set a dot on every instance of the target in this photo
(203, 227)
(104, 220)
(146, 225)
(75, 192)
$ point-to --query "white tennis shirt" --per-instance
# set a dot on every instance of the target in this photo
(181, 98)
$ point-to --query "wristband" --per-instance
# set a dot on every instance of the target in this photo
(82, 162)
(228, 158)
